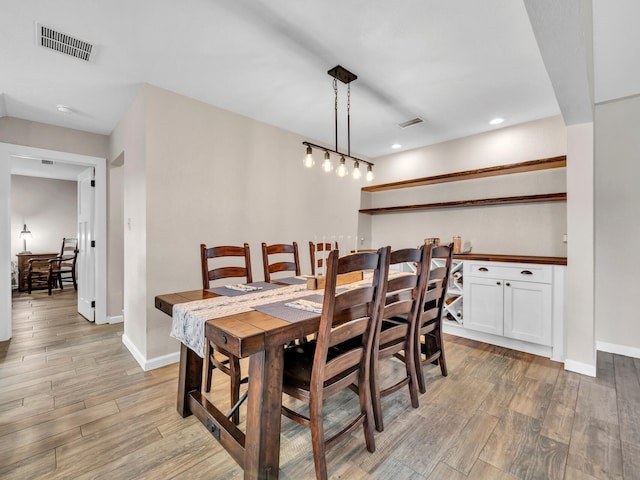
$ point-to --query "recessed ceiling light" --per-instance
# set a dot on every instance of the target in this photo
(64, 109)
(396, 146)
(496, 121)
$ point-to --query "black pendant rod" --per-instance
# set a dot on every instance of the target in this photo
(319, 147)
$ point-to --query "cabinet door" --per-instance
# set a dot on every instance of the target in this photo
(483, 305)
(527, 311)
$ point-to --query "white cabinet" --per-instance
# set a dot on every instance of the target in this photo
(509, 300)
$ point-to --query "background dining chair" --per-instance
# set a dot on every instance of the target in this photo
(280, 266)
(396, 333)
(317, 261)
(231, 364)
(38, 274)
(315, 370)
(53, 271)
(63, 267)
(429, 346)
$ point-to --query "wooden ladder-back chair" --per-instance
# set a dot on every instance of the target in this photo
(403, 302)
(64, 266)
(280, 266)
(317, 261)
(231, 364)
(57, 269)
(38, 274)
(429, 346)
(316, 370)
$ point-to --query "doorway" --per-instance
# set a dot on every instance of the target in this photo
(9, 152)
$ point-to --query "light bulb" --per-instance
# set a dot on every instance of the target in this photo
(342, 170)
(369, 176)
(308, 158)
(356, 170)
(327, 166)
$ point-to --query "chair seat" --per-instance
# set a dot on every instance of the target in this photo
(298, 361)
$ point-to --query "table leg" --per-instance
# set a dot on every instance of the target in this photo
(262, 447)
(189, 377)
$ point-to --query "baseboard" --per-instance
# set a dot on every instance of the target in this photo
(459, 331)
(115, 319)
(153, 363)
(163, 361)
(134, 351)
(580, 367)
(618, 349)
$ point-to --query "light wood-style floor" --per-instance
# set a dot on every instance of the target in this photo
(75, 404)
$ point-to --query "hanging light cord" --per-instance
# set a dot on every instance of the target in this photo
(335, 94)
(348, 118)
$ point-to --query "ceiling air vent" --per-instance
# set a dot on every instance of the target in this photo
(61, 42)
(47, 162)
(410, 123)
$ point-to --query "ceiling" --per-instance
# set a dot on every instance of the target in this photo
(455, 64)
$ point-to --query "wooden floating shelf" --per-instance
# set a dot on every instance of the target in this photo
(542, 164)
(547, 197)
(493, 257)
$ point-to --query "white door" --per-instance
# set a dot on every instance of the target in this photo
(86, 267)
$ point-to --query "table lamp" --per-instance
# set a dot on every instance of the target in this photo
(24, 234)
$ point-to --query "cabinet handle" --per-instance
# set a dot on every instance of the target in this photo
(508, 284)
(498, 283)
(483, 269)
(526, 272)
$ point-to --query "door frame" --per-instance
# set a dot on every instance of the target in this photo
(7, 151)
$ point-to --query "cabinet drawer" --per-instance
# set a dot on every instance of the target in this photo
(511, 271)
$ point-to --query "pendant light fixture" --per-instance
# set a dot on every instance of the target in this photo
(346, 77)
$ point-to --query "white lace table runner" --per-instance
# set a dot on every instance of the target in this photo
(189, 317)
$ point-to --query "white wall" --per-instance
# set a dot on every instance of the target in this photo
(129, 139)
(115, 299)
(5, 245)
(580, 329)
(40, 135)
(48, 207)
(524, 229)
(617, 226)
(199, 174)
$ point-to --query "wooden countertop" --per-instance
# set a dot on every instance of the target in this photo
(494, 257)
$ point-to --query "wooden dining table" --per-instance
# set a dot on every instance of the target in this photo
(262, 338)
